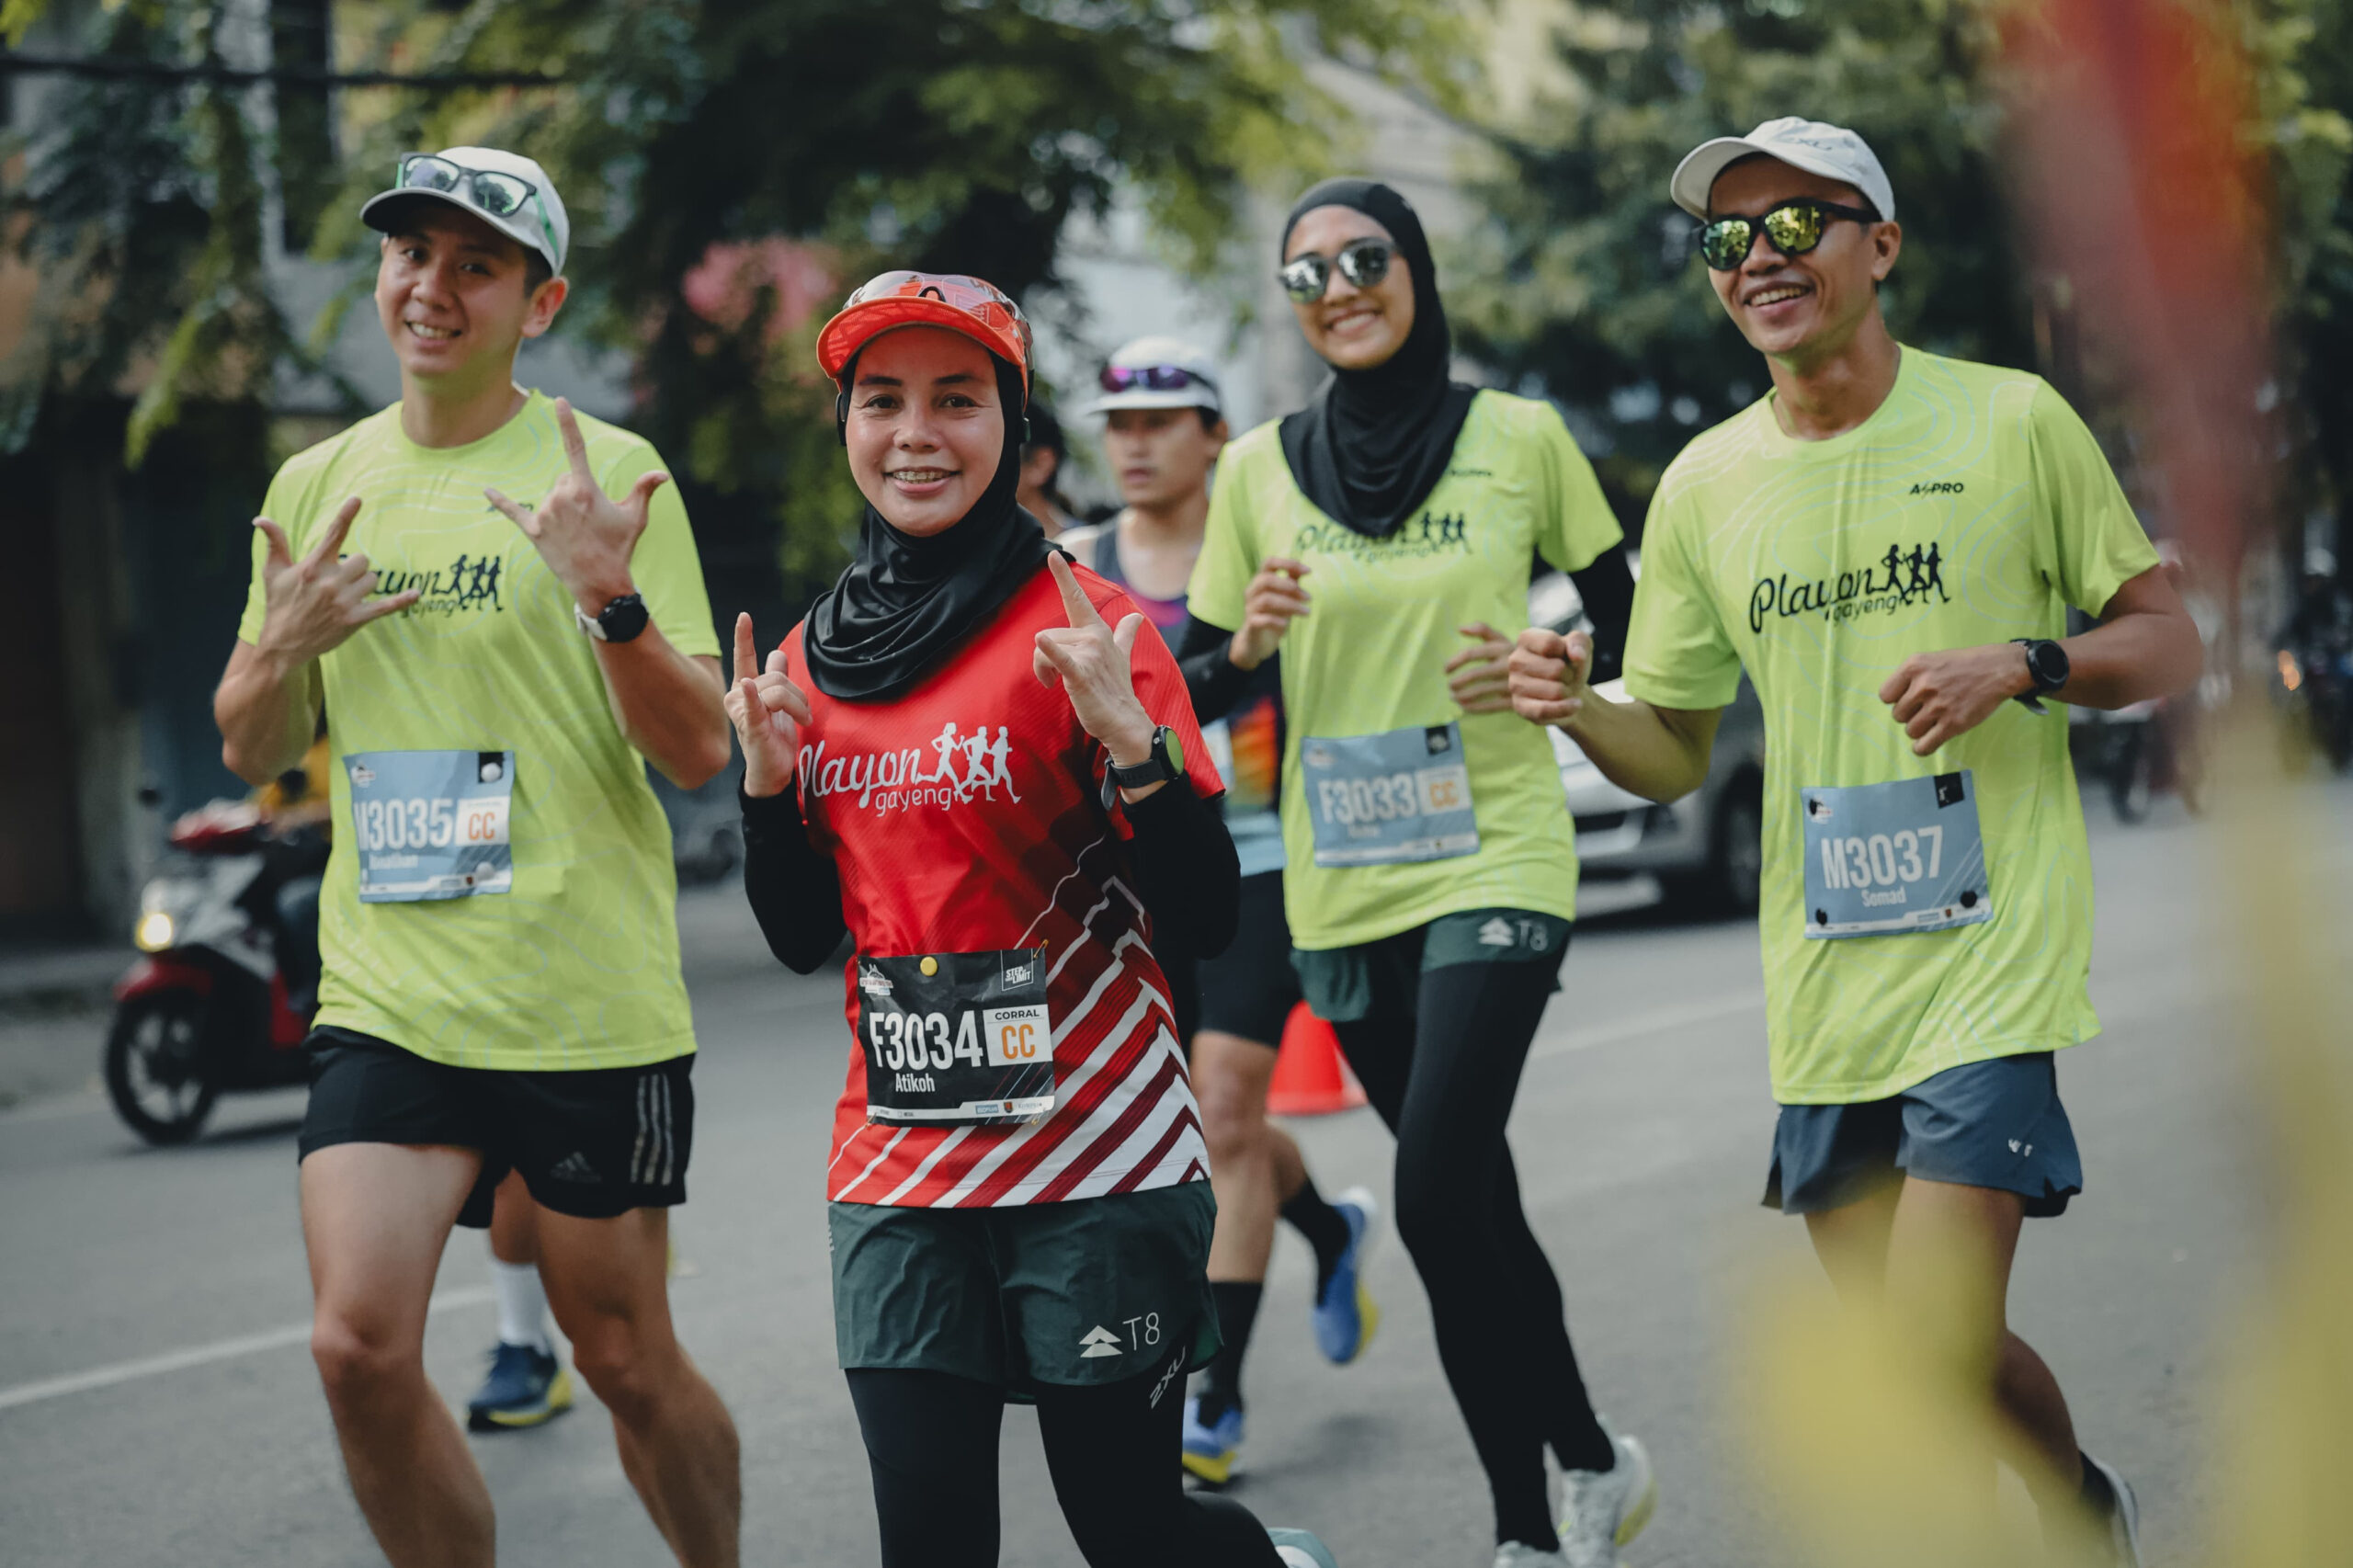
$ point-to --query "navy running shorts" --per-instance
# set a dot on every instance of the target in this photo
(1998, 1124)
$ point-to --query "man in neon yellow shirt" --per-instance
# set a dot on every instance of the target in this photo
(1889, 542)
(502, 607)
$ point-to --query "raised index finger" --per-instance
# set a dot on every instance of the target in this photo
(575, 445)
(747, 657)
(1075, 604)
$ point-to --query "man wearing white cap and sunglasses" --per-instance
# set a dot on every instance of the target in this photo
(1889, 542)
(501, 604)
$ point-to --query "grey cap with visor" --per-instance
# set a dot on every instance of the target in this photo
(508, 191)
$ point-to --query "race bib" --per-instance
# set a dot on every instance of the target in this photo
(1881, 858)
(956, 1039)
(1405, 795)
(431, 824)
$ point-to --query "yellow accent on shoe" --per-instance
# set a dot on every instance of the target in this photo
(1369, 1313)
(558, 1401)
(1216, 1470)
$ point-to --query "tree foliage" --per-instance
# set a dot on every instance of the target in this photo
(690, 137)
(1584, 284)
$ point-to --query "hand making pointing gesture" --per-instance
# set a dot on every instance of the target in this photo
(586, 537)
(1090, 661)
(311, 606)
(768, 711)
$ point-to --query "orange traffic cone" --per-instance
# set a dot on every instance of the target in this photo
(1311, 1077)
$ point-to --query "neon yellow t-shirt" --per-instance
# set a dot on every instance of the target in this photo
(1371, 655)
(1973, 506)
(577, 967)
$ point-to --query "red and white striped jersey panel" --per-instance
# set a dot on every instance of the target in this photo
(1004, 842)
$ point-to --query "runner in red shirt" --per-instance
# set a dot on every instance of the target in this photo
(982, 764)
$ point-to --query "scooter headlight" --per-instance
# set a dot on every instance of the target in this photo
(154, 931)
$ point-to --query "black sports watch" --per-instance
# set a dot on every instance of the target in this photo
(1166, 764)
(619, 621)
(2046, 665)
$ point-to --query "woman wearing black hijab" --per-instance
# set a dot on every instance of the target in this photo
(974, 760)
(1383, 536)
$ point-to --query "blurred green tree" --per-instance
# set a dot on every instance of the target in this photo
(731, 167)
(1584, 285)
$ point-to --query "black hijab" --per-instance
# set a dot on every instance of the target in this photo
(904, 602)
(1371, 447)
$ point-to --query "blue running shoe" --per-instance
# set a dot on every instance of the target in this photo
(1301, 1549)
(1209, 1451)
(1344, 1314)
(526, 1387)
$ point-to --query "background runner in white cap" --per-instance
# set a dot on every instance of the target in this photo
(1164, 427)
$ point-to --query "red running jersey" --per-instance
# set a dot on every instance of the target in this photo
(967, 816)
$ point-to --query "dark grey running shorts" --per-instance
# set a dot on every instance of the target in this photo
(1997, 1124)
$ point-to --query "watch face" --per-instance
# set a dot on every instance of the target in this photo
(1172, 745)
(623, 618)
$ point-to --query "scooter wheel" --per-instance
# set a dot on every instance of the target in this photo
(155, 1067)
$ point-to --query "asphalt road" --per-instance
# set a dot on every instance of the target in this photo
(157, 1406)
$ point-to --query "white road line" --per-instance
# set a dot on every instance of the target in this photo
(1658, 1020)
(199, 1354)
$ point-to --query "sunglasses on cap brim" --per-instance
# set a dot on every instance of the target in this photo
(499, 194)
(1792, 228)
(1363, 263)
(1151, 378)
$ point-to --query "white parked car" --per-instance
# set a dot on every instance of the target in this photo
(1704, 848)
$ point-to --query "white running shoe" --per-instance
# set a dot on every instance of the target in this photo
(2124, 1521)
(1519, 1555)
(1301, 1549)
(1602, 1510)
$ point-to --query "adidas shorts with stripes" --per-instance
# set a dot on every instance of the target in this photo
(592, 1142)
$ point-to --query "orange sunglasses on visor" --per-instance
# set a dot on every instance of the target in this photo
(978, 309)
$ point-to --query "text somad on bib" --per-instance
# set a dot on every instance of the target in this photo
(956, 766)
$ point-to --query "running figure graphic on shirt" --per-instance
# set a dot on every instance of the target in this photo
(984, 761)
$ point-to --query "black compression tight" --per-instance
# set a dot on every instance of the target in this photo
(1440, 1055)
(931, 1441)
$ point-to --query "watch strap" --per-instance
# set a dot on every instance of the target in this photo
(1157, 767)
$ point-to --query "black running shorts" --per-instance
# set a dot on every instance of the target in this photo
(1249, 989)
(592, 1142)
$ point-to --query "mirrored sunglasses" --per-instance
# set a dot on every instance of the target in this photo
(1363, 263)
(1793, 228)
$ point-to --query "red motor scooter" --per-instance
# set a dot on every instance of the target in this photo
(208, 1008)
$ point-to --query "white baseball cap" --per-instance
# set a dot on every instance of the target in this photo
(1158, 372)
(508, 191)
(1831, 151)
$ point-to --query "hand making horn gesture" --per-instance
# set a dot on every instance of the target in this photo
(586, 537)
(311, 606)
(1090, 661)
(768, 711)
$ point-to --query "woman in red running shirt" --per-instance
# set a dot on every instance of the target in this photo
(979, 762)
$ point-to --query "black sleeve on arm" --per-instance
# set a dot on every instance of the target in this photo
(796, 893)
(1214, 682)
(1607, 590)
(1192, 880)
